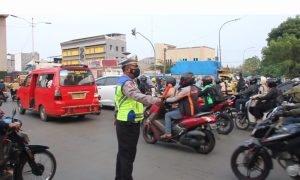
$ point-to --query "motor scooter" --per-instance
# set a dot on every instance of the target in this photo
(195, 132)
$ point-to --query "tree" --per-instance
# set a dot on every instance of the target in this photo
(251, 66)
(290, 27)
(282, 57)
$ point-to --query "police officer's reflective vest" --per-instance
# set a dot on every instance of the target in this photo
(128, 109)
(208, 99)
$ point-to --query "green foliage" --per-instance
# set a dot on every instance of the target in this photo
(282, 57)
(251, 66)
(290, 27)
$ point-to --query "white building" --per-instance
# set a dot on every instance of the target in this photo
(21, 59)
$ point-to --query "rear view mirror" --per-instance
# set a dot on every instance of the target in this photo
(14, 112)
(1, 102)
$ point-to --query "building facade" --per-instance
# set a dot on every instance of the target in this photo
(3, 48)
(169, 54)
(92, 50)
(22, 59)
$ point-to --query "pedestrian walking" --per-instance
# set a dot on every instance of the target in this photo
(129, 112)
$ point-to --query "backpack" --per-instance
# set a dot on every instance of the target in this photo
(216, 94)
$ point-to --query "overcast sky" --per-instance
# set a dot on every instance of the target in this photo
(184, 23)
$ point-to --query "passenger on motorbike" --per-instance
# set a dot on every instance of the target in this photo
(244, 95)
(267, 101)
(290, 113)
(2, 87)
(206, 93)
(187, 99)
(143, 86)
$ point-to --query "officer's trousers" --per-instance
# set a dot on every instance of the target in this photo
(128, 135)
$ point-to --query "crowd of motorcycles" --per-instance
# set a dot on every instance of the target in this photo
(250, 161)
(21, 160)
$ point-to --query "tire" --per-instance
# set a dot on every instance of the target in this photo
(148, 135)
(225, 123)
(23, 170)
(43, 114)
(20, 108)
(242, 122)
(262, 158)
(208, 143)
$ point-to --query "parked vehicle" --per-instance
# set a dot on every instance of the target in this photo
(222, 112)
(253, 159)
(23, 160)
(195, 131)
(59, 92)
(106, 86)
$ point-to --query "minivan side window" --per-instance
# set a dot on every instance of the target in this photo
(111, 81)
(45, 80)
(69, 77)
(100, 82)
(26, 81)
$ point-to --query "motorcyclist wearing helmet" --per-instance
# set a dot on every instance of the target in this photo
(206, 93)
(243, 96)
(172, 91)
(143, 86)
(187, 99)
(267, 101)
(2, 88)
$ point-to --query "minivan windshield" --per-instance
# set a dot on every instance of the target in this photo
(74, 77)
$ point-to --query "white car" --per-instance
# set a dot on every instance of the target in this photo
(106, 86)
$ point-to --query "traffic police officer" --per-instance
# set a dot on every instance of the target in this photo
(129, 112)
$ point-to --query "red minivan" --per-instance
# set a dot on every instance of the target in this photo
(59, 92)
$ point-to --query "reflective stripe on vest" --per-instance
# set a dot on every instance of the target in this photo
(128, 109)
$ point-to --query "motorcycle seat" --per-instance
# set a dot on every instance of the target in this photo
(202, 114)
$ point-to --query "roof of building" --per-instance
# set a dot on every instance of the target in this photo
(92, 37)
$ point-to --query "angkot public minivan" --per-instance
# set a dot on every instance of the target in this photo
(59, 92)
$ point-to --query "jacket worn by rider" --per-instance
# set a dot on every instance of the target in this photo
(129, 101)
(250, 91)
(187, 99)
(206, 94)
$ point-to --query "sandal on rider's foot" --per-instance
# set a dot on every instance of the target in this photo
(166, 136)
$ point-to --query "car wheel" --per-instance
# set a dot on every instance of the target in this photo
(43, 114)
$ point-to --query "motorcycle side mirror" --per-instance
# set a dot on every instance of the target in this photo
(14, 113)
(1, 103)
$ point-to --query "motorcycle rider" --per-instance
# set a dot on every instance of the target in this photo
(206, 93)
(243, 96)
(2, 88)
(187, 99)
(267, 101)
(143, 86)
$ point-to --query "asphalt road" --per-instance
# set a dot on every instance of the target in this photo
(85, 149)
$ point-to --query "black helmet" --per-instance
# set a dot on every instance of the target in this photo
(252, 80)
(206, 80)
(170, 80)
(272, 82)
(187, 80)
(143, 78)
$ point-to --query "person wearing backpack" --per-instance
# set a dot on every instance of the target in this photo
(207, 93)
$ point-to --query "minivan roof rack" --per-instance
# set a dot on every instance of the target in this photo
(75, 65)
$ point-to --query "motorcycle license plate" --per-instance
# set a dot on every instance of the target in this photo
(213, 126)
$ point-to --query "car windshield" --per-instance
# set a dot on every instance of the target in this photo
(76, 77)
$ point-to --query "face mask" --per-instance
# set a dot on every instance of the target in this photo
(135, 72)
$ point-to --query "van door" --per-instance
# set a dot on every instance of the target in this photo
(32, 88)
(24, 91)
(44, 92)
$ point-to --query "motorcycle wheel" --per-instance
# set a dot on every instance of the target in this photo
(20, 108)
(148, 135)
(239, 163)
(225, 123)
(242, 122)
(46, 163)
(208, 143)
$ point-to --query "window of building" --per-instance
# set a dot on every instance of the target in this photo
(117, 48)
(195, 59)
(123, 49)
(110, 47)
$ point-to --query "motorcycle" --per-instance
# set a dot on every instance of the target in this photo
(223, 112)
(195, 131)
(253, 159)
(13, 94)
(23, 160)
